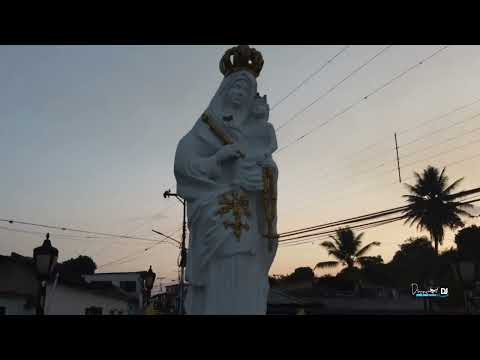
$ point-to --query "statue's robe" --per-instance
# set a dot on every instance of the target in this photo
(225, 275)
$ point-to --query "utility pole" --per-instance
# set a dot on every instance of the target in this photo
(183, 250)
(398, 159)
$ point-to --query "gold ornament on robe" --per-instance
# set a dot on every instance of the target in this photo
(237, 203)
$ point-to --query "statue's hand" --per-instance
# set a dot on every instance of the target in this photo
(228, 152)
(249, 176)
(267, 162)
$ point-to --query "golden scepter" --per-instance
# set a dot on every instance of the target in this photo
(223, 136)
(269, 204)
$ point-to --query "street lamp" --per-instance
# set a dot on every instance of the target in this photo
(183, 251)
(45, 258)
(149, 280)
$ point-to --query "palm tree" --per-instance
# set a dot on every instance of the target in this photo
(346, 248)
(432, 206)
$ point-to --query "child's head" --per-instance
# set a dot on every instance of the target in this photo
(261, 109)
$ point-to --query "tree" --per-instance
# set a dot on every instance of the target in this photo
(370, 261)
(415, 262)
(374, 270)
(73, 269)
(302, 274)
(468, 243)
(431, 205)
(346, 248)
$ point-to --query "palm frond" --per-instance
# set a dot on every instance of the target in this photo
(363, 250)
(453, 186)
(359, 237)
(328, 245)
(326, 264)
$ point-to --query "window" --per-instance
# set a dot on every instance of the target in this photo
(128, 286)
(93, 310)
(3, 310)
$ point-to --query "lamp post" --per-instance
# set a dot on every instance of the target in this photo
(45, 258)
(149, 279)
(183, 249)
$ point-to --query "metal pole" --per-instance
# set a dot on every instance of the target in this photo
(398, 159)
(183, 251)
(41, 298)
(183, 256)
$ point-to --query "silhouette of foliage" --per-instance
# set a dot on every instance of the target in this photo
(432, 206)
(73, 269)
(414, 262)
(468, 243)
(346, 247)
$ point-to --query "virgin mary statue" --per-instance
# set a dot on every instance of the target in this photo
(221, 167)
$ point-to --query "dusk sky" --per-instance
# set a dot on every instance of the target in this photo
(88, 136)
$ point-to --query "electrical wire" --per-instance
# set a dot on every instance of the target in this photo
(309, 77)
(364, 98)
(330, 90)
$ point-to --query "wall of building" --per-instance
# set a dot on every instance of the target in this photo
(73, 301)
(15, 305)
(17, 278)
(115, 279)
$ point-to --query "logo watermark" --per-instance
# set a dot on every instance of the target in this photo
(431, 292)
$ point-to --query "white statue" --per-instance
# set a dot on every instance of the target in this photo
(225, 172)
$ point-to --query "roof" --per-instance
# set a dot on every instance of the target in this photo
(120, 273)
(108, 290)
(17, 258)
(277, 297)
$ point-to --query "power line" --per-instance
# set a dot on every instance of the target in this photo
(361, 218)
(297, 114)
(376, 185)
(345, 221)
(327, 235)
(466, 133)
(364, 98)
(119, 260)
(309, 77)
(299, 240)
(393, 169)
(78, 230)
(55, 235)
(135, 255)
(423, 123)
(372, 145)
(329, 232)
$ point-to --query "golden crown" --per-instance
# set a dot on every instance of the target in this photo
(241, 57)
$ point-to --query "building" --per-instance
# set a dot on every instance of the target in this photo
(88, 299)
(18, 285)
(19, 289)
(131, 283)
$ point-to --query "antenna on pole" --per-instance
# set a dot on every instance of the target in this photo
(398, 159)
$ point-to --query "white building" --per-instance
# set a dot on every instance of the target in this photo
(67, 299)
(131, 283)
(106, 294)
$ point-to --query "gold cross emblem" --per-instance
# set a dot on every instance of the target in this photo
(238, 205)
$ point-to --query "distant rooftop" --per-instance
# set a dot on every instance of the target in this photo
(119, 273)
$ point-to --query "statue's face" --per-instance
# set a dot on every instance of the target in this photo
(238, 93)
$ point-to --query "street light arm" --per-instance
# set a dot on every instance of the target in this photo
(168, 237)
